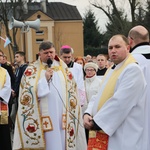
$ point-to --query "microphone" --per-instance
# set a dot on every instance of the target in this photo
(49, 62)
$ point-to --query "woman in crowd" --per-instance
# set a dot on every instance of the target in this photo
(92, 84)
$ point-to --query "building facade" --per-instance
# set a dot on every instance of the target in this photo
(60, 23)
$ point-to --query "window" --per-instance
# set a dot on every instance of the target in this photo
(39, 40)
(40, 32)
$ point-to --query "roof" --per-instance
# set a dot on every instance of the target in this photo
(56, 10)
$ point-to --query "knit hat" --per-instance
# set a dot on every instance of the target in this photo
(91, 64)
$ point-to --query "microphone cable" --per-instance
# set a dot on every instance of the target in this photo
(66, 107)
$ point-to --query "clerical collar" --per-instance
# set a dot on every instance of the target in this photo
(140, 44)
(70, 65)
(102, 68)
(113, 67)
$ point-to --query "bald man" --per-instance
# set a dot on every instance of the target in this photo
(139, 42)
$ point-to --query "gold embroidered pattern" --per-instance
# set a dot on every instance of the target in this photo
(29, 121)
(72, 121)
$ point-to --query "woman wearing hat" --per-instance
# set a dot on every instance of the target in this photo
(92, 83)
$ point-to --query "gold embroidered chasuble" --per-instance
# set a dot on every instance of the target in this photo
(3, 106)
(107, 93)
(31, 124)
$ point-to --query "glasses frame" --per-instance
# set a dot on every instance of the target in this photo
(89, 70)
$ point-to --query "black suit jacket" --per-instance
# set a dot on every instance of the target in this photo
(18, 75)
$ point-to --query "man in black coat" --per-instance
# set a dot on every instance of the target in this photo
(20, 60)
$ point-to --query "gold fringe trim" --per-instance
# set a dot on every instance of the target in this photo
(4, 117)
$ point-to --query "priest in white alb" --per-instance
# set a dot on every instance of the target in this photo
(49, 114)
(116, 116)
(140, 49)
(5, 92)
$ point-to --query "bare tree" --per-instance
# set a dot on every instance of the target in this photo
(117, 6)
(7, 10)
(122, 15)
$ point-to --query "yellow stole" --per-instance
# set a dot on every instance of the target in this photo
(107, 93)
(3, 106)
(2, 76)
(29, 123)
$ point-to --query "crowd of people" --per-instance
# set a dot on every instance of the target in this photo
(78, 103)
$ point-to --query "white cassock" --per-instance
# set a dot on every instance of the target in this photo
(54, 139)
(122, 116)
(55, 91)
(145, 66)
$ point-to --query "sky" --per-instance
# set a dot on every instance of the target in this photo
(82, 6)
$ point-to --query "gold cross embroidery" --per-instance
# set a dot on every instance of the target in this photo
(45, 123)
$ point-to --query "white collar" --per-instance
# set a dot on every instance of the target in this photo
(143, 49)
